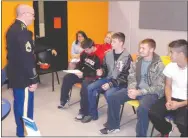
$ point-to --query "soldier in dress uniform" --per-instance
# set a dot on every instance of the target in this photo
(21, 70)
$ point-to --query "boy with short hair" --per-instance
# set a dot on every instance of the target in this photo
(175, 100)
(145, 83)
(114, 73)
(89, 63)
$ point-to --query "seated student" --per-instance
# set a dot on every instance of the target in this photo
(114, 72)
(106, 46)
(175, 101)
(77, 49)
(89, 63)
(101, 49)
(145, 83)
(107, 41)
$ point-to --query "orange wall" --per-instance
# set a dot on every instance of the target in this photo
(91, 17)
(8, 17)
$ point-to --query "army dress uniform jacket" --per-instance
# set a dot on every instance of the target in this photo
(21, 70)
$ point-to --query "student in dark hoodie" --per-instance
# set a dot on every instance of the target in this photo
(89, 63)
(114, 73)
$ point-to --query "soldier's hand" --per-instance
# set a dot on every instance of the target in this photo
(32, 87)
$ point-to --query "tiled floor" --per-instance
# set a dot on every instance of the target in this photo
(54, 122)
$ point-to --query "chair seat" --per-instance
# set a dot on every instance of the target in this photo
(44, 71)
(165, 59)
(78, 85)
(134, 103)
(134, 57)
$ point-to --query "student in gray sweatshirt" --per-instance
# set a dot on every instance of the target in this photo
(114, 73)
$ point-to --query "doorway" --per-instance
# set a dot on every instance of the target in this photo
(55, 28)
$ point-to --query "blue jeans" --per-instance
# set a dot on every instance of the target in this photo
(120, 97)
(93, 90)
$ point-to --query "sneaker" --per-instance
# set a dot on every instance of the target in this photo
(167, 135)
(107, 131)
(87, 119)
(79, 116)
(62, 105)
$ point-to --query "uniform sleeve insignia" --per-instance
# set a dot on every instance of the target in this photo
(28, 47)
(34, 71)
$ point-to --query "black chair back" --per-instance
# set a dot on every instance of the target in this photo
(44, 57)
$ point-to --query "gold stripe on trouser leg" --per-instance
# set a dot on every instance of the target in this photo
(26, 100)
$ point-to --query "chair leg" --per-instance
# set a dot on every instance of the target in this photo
(98, 96)
(39, 79)
(70, 104)
(70, 93)
(121, 113)
(134, 110)
(152, 131)
(52, 81)
(57, 77)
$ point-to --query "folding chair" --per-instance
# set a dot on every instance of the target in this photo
(78, 85)
(133, 103)
(46, 57)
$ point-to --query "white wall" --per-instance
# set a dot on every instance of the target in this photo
(124, 17)
(41, 18)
